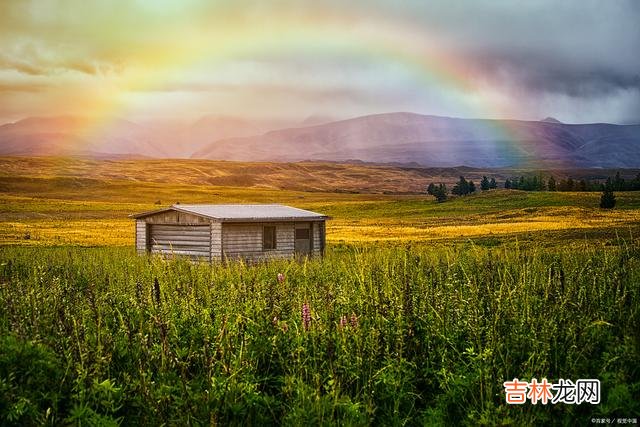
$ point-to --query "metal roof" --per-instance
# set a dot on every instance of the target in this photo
(240, 212)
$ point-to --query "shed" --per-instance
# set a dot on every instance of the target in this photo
(223, 232)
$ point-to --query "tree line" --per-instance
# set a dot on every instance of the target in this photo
(538, 183)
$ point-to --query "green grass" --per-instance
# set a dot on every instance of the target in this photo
(87, 337)
(450, 299)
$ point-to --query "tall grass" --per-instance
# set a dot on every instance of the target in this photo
(397, 336)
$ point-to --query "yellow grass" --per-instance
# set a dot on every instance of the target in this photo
(72, 202)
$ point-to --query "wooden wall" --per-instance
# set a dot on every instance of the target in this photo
(216, 241)
(193, 241)
(175, 217)
(244, 240)
(141, 236)
(316, 233)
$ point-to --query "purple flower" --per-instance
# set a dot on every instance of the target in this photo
(306, 316)
(280, 277)
(354, 320)
(343, 321)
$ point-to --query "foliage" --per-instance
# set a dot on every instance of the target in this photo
(405, 335)
(438, 191)
(463, 187)
(608, 199)
(537, 183)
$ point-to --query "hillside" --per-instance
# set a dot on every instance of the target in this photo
(442, 141)
(400, 138)
(83, 173)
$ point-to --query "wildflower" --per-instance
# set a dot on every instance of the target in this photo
(280, 278)
(306, 316)
(343, 321)
(354, 320)
(275, 321)
(285, 327)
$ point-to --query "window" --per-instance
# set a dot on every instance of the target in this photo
(268, 237)
(302, 233)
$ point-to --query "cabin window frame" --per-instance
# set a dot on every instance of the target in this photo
(274, 243)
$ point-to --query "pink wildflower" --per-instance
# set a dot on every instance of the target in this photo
(280, 278)
(306, 316)
(354, 320)
(343, 321)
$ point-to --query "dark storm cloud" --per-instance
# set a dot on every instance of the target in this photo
(582, 49)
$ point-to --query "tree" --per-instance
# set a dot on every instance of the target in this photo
(430, 189)
(608, 199)
(484, 184)
(551, 185)
(461, 188)
(570, 184)
(440, 193)
(582, 185)
(492, 183)
(472, 187)
(618, 183)
(507, 184)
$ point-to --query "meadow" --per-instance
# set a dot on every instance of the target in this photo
(416, 316)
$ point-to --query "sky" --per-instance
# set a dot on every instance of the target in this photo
(575, 60)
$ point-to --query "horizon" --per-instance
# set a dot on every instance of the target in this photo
(184, 122)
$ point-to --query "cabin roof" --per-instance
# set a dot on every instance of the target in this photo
(241, 212)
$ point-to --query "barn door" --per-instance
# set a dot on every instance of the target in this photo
(193, 241)
(303, 238)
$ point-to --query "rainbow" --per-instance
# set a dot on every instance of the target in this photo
(324, 34)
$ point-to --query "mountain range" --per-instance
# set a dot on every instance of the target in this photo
(390, 138)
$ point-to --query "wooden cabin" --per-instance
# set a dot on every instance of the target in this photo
(224, 232)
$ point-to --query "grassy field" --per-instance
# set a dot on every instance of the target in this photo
(418, 313)
(82, 202)
(395, 336)
(100, 219)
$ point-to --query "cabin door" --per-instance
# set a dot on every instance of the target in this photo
(303, 238)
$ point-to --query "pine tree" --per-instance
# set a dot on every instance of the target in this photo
(471, 187)
(507, 184)
(484, 184)
(440, 193)
(618, 183)
(608, 199)
(461, 188)
(552, 184)
(570, 184)
(492, 183)
(430, 189)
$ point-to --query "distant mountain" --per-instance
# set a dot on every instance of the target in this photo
(551, 120)
(70, 135)
(392, 138)
(441, 141)
(67, 135)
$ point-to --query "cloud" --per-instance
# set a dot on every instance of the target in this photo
(568, 59)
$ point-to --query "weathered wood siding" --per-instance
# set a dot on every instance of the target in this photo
(216, 241)
(175, 217)
(322, 243)
(316, 233)
(244, 240)
(141, 236)
(193, 241)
